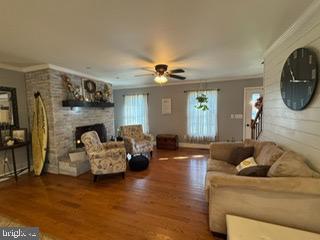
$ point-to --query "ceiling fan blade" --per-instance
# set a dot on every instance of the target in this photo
(147, 69)
(144, 75)
(178, 70)
(177, 76)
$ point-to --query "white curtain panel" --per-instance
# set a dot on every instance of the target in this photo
(136, 110)
(202, 125)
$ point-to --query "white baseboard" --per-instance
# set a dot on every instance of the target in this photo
(194, 145)
(191, 145)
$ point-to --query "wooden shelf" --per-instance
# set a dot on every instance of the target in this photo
(76, 103)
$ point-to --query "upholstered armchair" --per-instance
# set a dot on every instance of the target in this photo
(136, 142)
(104, 158)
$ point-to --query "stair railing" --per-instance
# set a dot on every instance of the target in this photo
(256, 125)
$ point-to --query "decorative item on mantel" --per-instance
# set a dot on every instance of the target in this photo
(91, 96)
(107, 93)
(74, 90)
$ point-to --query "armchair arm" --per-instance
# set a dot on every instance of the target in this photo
(129, 143)
(148, 137)
(110, 145)
(223, 150)
(269, 184)
(128, 140)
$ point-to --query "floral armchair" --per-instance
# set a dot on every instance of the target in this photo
(135, 141)
(104, 158)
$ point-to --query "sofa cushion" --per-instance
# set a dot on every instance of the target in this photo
(255, 171)
(291, 164)
(269, 154)
(222, 150)
(221, 166)
(258, 145)
(249, 162)
(239, 154)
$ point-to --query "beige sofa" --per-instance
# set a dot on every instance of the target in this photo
(289, 201)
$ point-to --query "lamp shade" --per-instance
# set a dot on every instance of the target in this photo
(160, 79)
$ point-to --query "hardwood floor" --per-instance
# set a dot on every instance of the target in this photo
(165, 202)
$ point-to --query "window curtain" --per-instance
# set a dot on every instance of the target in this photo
(136, 110)
(202, 125)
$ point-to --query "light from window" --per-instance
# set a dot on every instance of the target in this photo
(202, 125)
(254, 110)
(136, 110)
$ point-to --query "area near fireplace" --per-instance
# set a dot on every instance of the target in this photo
(64, 120)
(99, 128)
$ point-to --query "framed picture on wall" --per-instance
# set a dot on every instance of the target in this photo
(19, 135)
(166, 105)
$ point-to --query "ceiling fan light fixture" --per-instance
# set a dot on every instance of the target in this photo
(160, 79)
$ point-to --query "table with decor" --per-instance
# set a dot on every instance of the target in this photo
(12, 148)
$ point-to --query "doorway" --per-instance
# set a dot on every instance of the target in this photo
(251, 94)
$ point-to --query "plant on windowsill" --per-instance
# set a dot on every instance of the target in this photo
(202, 102)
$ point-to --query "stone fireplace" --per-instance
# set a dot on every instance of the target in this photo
(63, 121)
(99, 128)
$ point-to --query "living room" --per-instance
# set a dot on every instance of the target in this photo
(159, 120)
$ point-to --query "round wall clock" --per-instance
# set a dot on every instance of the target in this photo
(299, 79)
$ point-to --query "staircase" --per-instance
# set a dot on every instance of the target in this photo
(256, 125)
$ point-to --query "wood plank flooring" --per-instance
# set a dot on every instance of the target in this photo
(165, 202)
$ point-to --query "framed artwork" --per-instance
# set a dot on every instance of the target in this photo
(166, 105)
(19, 135)
(8, 107)
(90, 86)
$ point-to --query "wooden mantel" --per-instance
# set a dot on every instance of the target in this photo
(76, 103)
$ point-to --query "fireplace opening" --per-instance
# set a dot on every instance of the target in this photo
(99, 128)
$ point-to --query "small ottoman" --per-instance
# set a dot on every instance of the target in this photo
(167, 141)
(138, 163)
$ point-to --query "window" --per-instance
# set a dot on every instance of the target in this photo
(254, 111)
(136, 110)
(202, 125)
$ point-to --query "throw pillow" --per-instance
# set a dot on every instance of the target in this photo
(258, 145)
(291, 164)
(255, 171)
(249, 162)
(239, 154)
(269, 154)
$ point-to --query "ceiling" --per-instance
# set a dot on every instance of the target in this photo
(117, 39)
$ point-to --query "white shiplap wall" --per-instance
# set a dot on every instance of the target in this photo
(298, 131)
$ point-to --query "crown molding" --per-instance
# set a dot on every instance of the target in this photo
(10, 67)
(49, 66)
(234, 78)
(302, 20)
(61, 69)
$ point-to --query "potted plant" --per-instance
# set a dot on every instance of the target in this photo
(202, 100)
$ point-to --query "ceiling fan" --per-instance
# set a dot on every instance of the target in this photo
(162, 74)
